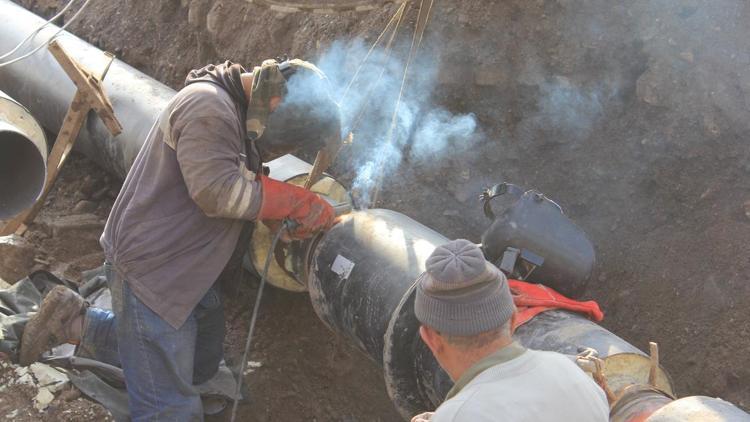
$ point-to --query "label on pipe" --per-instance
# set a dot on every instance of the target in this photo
(342, 266)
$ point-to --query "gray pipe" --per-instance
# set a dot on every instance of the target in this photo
(40, 84)
(23, 158)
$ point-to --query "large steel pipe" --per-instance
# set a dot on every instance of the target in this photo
(361, 282)
(23, 157)
(40, 84)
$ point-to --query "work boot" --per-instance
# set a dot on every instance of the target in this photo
(53, 325)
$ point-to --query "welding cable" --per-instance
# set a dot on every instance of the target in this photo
(36, 31)
(46, 43)
(287, 225)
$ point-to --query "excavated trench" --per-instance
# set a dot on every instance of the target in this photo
(659, 184)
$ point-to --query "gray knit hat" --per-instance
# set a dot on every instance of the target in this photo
(460, 293)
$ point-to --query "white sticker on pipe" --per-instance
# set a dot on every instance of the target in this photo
(342, 266)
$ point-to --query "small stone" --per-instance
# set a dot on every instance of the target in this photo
(746, 207)
(83, 207)
(197, 11)
(26, 379)
(43, 398)
(79, 195)
(21, 371)
(213, 19)
(89, 185)
(100, 194)
(49, 377)
(16, 257)
(68, 223)
(70, 395)
(252, 366)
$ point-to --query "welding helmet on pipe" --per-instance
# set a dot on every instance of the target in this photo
(307, 118)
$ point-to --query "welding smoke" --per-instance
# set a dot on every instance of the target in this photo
(417, 130)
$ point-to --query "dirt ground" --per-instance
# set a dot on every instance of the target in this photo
(632, 116)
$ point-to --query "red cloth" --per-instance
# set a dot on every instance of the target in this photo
(532, 299)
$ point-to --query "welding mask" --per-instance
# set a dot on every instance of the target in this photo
(307, 119)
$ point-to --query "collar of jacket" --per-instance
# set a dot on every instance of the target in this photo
(503, 355)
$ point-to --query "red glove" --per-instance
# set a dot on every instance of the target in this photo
(283, 200)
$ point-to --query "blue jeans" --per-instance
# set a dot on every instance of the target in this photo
(161, 364)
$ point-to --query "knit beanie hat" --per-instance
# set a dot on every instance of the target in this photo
(460, 293)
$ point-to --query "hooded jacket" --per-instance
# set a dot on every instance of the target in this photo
(179, 214)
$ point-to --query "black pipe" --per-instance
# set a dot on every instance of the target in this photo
(362, 286)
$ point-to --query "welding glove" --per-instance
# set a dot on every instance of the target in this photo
(283, 200)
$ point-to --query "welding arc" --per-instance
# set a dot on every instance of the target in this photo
(412, 53)
(46, 43)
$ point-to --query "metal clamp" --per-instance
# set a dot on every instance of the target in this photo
(493, 192)
(524, 258)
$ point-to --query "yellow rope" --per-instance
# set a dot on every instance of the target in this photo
(372, 86)
(412, 53)
(327, 155)
(395, 18)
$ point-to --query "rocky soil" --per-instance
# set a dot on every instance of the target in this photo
(632, 116)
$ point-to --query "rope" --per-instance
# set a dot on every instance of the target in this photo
(388, 49)
(397, 18)
(46, 43)
(36, 31)
(412, 53)
(324, 8)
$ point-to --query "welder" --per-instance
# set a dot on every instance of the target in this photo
(183, 217)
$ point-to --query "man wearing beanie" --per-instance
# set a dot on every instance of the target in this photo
(466, 310)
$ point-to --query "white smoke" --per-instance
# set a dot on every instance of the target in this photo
(420, 128)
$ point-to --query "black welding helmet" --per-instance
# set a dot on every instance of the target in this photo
(306, 119)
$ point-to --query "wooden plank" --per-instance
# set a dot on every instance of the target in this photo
(89, 95)
(90, 86)
(325, 157)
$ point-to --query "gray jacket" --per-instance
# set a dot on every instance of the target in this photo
(179, 214)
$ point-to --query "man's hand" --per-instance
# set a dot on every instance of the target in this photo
(309, 211)
(423, 417)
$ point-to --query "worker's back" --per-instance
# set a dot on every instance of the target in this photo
(535, 386)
